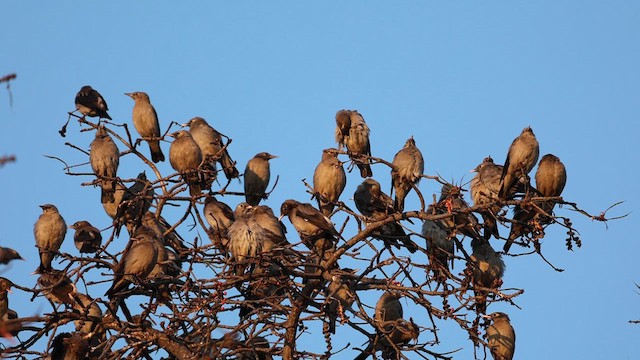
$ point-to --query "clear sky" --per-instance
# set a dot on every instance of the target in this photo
(462, 77)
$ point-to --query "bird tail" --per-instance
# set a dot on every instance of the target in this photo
(365, 170)
(399, 201)
(490, 226)
(46, 258)
(108, 189)
(228, 166)
(156, 151)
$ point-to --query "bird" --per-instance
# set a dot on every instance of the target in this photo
(390, 326)
(87, 237)
(551, 178)
(104, 157)
(185, 157)
(137, 261)
(90, 316)
(463, 221)
(521, 158)
(145, 120)
(90, 103)
(408, 167)
(256, 177)
(268, 228)
(220, 217)
(315, 229)
(243, 242)
(49, 232)
(57, 287)
(5, 287)
(136, 201)
(259, 349)
(440, 246)
(353, 133)
(8, 254)
(375, 204)
(487, 270)
(485, 186)
(66, 346)
(212, 146)
(160, 228)
(501, 337)
(111, 207)
(329, 180)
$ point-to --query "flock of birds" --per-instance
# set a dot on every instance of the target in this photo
(253, 229)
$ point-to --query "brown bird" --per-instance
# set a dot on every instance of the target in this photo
(49, 231)
(353, 133)
(440, 246)
(329, 180)
(340, 295)
(185, 157)
(8, 254)
(211, 145)
(501, 337)
(13, 328)
(243, 241)
(220, 217)
(90, 313)
(551, 178)
(137, 261)
(408, 167)
(256, 177)
(111, 207)
(451, 201)
(57, 287)
(521, 158)
(160, 228)
(315, 229)
(105, 158)
(487, 270)
(135, 202)
(484, 190)
(87, 238)
(375, 204)
(5, 287)
(145, 120)
(259, 349)
(388, 318)
(90, 103)
(268, 228)
(67, 346)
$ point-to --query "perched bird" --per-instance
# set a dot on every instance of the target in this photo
(462, 221)
(111, 207)
(521, 158)
(501, 337)
(259, 349)
(87, 238)
(340, 295)
(353, 133)
(487, 270)
(440, 246)
(375, 204)
(408, 167)
(243, 241)
(5, 287)
(49, 231)
(160, 228)
(220, 217)
(13, 328)
(185, 157)
(91, 315)
(315, 229)
(388, 318)
(211, 145)
(90, 103)
(256, 177)
(329, 180)
(268, 228)
(551, 178)
(136, 201)
(484, 190)
(137, 261)
(67, 346)
(57, 287)
(8, 254)
(145, 120)
(105, 158)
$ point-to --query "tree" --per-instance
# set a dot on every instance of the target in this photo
(265, 300)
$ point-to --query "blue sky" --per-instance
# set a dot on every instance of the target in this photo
(463, 78)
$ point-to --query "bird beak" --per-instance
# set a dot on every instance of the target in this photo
(272, 156)
(129, 95)
(41, 207)
(173, 135)
(280, 217)
(486, 316)
(185, 124)
(473, 170)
